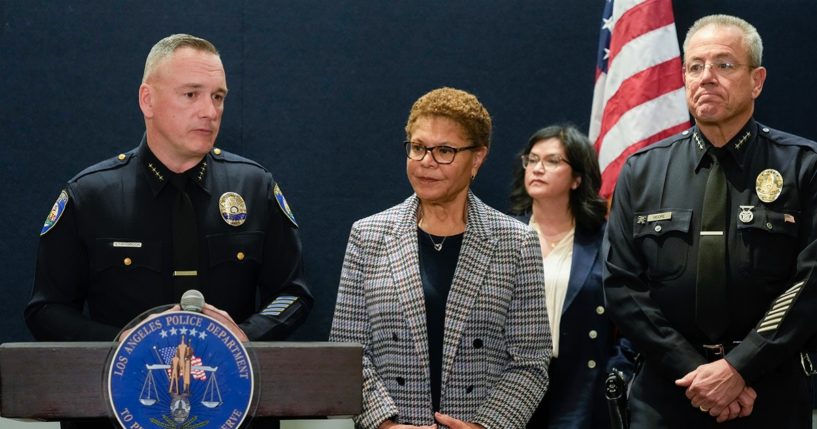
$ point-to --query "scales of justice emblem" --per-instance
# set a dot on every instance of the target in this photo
(180, 370)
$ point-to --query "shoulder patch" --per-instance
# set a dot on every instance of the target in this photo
(282, 202)
(56, 212)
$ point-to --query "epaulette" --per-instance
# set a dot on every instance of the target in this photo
(667, 142)
(219, 155)
(118, 161)
(224, 156)
(786, 139)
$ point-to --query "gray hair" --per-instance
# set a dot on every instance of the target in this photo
(751, 38)
(165, 47)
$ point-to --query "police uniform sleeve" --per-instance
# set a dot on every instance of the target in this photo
(788, 327)
(55, 311)
(285, 297)
(631, 307)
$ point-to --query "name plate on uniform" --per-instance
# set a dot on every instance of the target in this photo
(127, 244)
(659, 216)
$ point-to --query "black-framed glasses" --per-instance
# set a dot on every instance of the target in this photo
(696, 69)
(550, 162)
(441, 154)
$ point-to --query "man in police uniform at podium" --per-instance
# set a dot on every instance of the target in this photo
(710, 252)
(176, 213)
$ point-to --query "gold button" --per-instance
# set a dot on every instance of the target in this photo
(121, 156)
(127, 262)
(239, 256)
(593, 334)
(599, 310)
(217, 151)
(591, 364)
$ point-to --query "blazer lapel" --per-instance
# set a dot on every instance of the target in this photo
(475, 256)
(401, 247)
(585, 250)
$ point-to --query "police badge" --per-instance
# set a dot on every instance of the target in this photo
(233, 209)
(768, 185)
(180, 370)
(746, 214)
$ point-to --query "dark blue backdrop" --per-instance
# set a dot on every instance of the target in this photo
(319, 94)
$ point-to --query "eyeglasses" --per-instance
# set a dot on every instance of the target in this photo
(550, 162)
(696, 69)
(441, 154)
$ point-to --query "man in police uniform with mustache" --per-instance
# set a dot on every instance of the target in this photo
(710, 250)
(176, 213)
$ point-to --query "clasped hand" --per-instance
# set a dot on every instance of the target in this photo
(442, 419)
(719, 390)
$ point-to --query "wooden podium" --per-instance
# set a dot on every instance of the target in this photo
(54, 381)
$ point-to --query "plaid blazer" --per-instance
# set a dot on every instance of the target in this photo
(496, 345)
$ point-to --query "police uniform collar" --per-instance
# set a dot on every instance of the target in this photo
(198, 174)
(158, 174)
(737, 147)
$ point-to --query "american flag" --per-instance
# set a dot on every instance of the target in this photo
(197, 374)
(638, 98)
(167, 354)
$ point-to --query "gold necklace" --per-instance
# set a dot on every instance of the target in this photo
(551, 243)
(554, 242)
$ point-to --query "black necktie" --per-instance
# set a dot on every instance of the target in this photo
(710, 304)
(185, 240)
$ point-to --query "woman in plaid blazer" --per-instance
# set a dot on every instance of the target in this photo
(445, 293)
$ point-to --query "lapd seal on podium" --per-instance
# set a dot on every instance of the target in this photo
(180, 370)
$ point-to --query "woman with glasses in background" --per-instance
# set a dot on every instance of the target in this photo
(444, 292)
(555, 191)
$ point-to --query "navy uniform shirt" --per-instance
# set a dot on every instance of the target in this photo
(106, 251)
(652, 249)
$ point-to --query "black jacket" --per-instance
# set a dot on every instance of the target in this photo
(109, 256)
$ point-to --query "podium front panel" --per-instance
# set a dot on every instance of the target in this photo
(53, 381)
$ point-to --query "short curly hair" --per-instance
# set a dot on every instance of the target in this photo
(460, 106)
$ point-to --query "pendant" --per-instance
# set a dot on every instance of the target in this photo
(437, 246)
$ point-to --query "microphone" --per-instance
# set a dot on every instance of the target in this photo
(192, 300)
